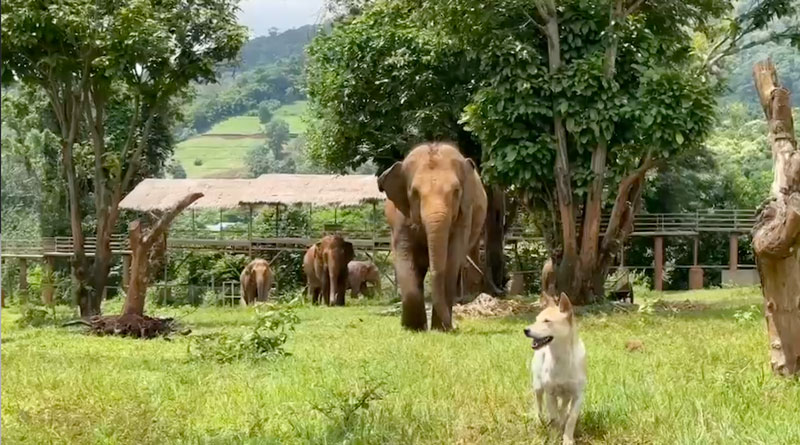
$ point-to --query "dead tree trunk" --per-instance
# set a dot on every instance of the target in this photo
(132, 321)
(776, 235)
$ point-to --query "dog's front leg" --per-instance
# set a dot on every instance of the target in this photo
(553, 417)
(539, 393)
(572, 419)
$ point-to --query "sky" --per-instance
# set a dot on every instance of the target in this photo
(261, 15)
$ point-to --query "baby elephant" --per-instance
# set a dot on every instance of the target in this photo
(359, 273)
(256, 281)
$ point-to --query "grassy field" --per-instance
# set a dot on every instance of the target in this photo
(221, 157)
(702, 377)
(293, 115)
(224, 157)
(237, 125)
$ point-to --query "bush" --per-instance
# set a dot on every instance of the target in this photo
(198, 162)
(265, 340)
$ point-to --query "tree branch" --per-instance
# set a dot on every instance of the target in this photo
(163, 223)
(623, 201)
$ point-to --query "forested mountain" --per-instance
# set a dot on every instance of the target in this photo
(270, 49)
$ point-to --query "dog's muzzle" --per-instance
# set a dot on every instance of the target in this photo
(538, 342)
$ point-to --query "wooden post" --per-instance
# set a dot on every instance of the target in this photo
(221, 229)
(23, 275)
(250, 231)
(696, 272)
(658, 253)
(48, 284)
(733, 253)
(194, 228)
(776, 234)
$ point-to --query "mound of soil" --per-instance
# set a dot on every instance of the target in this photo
(132, 326)
(487, 306)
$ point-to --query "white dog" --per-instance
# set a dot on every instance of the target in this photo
(558, 365)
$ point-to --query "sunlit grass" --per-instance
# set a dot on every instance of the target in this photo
(701, 377)
(237, 125)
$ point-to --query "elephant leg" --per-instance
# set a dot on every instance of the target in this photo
(410, 279)
(315, 296)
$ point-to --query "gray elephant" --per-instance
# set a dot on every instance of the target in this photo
(325, 266)
(436, 208)
(359, 274)
(256, 282)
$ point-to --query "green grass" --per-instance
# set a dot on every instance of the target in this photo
(702, 378)
(222, 157)
(237, 125)
(293, 114)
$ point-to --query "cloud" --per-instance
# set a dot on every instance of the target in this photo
(261, 15)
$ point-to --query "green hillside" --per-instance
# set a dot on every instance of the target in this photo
(237, 125)
(293, 114)
(223, 156)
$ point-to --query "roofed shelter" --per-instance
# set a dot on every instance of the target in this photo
(288, 189)
(155, 195)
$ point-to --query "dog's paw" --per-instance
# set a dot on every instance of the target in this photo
(568, 440)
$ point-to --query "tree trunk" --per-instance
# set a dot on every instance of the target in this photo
(776, 234)
(141, 243)
(494, 242)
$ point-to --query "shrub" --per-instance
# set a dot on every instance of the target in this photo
(265, 339)
(198, 162)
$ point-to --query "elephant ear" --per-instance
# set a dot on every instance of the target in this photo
(470, 187)
(393, 183)
(349, 253)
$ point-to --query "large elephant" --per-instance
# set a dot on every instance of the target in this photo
(325, 266)
(256, 281)
(359, 273)
(436, 208)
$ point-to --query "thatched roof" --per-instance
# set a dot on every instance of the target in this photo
(344, 190)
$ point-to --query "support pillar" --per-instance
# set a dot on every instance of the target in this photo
(48, 284)
(126, 272)
(734, 252)
(658, 253)
(696, 272)
(250, 231)
(23, 275)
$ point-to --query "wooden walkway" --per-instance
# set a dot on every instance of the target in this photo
(734, 222)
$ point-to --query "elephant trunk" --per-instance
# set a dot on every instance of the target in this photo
(262, 288)
(333, 276)
(437, 230)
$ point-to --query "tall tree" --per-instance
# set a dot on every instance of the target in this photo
(91, 56)
(569, 103)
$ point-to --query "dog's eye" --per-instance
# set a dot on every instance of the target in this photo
(546, 320)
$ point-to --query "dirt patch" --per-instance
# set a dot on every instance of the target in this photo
(487, 306)
(133, 326)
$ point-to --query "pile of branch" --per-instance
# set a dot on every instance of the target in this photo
(487, 306)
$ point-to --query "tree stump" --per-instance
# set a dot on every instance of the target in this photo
(776, 234)
(132, 322)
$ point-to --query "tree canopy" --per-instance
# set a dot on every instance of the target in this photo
(570, 103)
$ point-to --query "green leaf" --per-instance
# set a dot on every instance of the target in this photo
(679, 138)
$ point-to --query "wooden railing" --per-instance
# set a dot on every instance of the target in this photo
(241, 239)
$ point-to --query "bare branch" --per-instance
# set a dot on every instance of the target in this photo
(163, 223)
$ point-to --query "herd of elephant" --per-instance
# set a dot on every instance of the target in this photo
(330, 271)
(436, 208)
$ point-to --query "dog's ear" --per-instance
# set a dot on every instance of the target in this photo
(564, 305)
(546, 300)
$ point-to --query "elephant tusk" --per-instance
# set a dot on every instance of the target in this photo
(474, 265)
